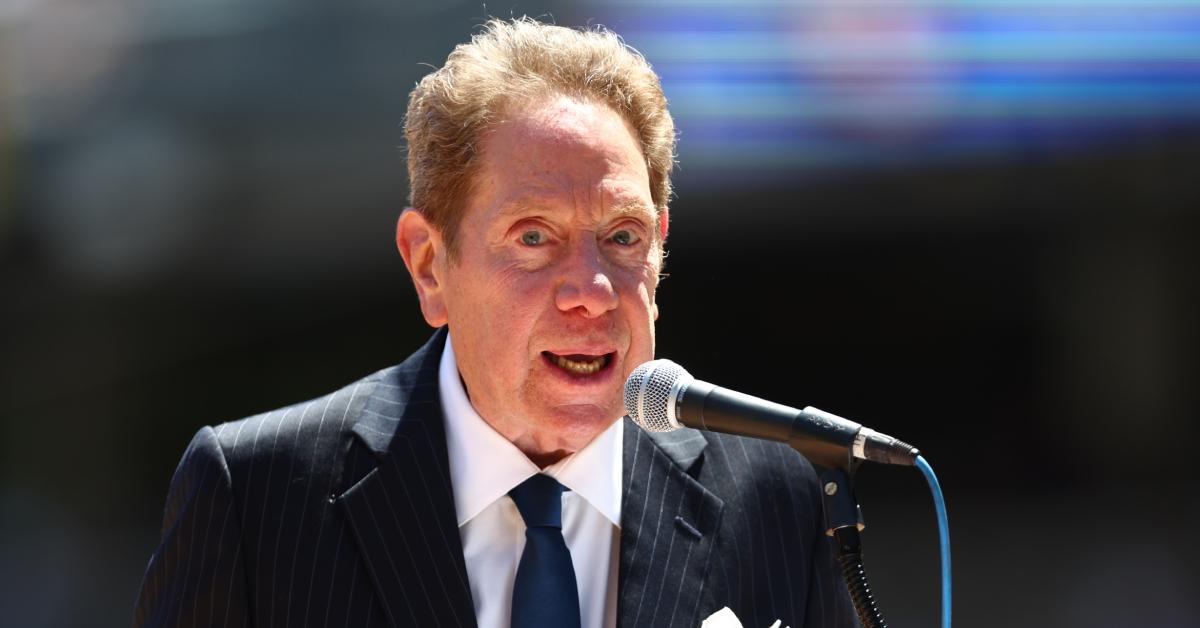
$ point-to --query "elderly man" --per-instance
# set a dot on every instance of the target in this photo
(490, 478)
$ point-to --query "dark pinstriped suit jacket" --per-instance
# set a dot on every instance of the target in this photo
(339, 512)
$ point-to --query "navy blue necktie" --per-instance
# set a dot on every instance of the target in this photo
(544, 593)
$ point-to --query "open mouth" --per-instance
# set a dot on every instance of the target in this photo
(578, 363)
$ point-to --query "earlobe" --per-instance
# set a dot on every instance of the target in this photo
(420, 245)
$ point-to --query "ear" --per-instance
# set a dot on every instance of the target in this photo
(420, 245)
(664, 221)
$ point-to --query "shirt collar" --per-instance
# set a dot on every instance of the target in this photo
(484, 465)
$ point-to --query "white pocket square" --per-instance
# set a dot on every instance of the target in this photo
(725, 618)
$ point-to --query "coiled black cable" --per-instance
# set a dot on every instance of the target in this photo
(850, 557)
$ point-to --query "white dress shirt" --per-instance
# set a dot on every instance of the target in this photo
(484, 466)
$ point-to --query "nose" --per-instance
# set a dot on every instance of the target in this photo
(585, 284)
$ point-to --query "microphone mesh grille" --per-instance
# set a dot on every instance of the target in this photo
(648, 394)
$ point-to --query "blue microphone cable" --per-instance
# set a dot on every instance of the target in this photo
(939, 505)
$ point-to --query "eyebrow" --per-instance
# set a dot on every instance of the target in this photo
(520, 204)
(636, 207)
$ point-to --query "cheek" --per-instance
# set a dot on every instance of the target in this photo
(640, 299)
(648, 285)
(515, 302)
(645, 292)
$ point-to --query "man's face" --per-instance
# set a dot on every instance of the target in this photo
(550, 299)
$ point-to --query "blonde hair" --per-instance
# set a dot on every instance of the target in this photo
(508, 61)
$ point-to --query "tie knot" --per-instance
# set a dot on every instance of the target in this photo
(540, 501)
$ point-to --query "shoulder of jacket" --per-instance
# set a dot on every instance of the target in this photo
(759, 458)
(309, 422)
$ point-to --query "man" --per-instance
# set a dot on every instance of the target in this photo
(490, 477)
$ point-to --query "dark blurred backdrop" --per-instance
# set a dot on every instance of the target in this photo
(969, 224)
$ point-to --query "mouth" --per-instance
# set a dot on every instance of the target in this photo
(580, 364)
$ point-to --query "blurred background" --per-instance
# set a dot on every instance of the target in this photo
(972, 224)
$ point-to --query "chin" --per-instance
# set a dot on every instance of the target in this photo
(578, 425)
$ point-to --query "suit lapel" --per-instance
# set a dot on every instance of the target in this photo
(669, 523)
(402, 511)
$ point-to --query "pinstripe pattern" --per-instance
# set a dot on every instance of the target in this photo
(339, 512)
(711, 520)
(252, 534)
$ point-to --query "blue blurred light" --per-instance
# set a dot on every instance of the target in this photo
(850, 83)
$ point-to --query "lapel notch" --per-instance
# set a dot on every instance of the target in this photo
(402, 511)
(669, 522)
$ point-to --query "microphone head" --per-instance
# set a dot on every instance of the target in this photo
(651, 392)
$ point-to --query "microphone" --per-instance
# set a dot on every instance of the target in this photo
(661, 396)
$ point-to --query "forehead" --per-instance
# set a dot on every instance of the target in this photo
(565, 120)
(562, 151)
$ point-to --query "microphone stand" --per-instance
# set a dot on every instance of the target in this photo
(843, 522)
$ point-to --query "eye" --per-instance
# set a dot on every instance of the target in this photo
(624, 237)
(532, 237)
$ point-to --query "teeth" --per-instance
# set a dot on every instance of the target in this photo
(583, 368)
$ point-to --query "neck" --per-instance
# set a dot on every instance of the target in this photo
(544, 459)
